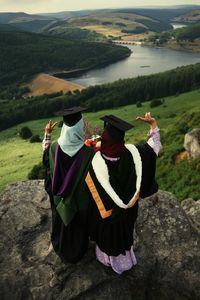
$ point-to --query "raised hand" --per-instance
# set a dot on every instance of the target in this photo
(49, 127)
(148, 119)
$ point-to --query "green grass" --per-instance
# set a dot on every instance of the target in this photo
(18, 156)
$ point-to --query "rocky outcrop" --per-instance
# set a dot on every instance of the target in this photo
(192, 209)
(192, 143)
(166, 245)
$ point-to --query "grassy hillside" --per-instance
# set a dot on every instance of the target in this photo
(114, 23)
(189, 17)
(175, 116)
(65, 30)
(29, 53)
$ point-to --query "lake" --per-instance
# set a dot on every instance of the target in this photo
(178, 25)
(142, 61)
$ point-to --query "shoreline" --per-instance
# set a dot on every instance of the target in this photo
(178, 48)
(78, 72)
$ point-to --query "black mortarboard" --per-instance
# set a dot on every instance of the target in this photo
(116, 127)
(71, 115)
(70, 111)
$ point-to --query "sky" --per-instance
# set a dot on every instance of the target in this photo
(36, 6)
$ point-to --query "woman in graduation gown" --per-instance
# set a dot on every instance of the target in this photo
(97, 197)
(67, 162)
(119, 175)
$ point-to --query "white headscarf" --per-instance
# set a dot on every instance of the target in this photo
(71, 139)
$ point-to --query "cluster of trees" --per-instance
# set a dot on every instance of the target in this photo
(15, 112)
(119, 93)
(189, 33)
(158, 26)
(156, 102)
(135, 30)
(26, 133)
(74, 33)
(13, 92)
(155, 26)
(144, 88)
(24, 54)
(160, 39)
(37, 172)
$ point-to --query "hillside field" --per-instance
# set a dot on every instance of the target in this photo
(18, 156)
(47, 84)
(111, 23)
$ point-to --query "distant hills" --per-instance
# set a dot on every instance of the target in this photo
(120, 22)
(26, 22)
(131, 18)
(189, 17)
(110, 23)
(154, 12)
(75, 40)
(68, 14)
(165, 14)
(7, 27)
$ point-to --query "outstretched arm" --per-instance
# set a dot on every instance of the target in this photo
(148, 119)
(47, 135)
(154, 134)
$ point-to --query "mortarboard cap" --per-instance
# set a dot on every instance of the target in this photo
(70, 111)
(116, 127)
(117, 123)
(71, 115)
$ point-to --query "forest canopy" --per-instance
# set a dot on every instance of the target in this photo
(23, 54)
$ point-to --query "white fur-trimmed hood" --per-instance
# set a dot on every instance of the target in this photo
(101, 172)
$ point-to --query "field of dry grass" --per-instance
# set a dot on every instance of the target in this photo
(114, 32)
(47, 84)
(135, 37)
(105, 30)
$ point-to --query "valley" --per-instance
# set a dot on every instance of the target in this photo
(34, 47)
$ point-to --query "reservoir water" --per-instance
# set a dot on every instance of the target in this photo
(178, 25)
(142, 61)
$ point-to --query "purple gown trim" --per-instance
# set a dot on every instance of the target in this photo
(63, 177)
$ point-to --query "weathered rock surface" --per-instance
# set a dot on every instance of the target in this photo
(192, 209)
(166, 246)
(192, 143)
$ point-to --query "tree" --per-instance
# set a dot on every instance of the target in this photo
(25, 133)
(139, 104)
(35, 139)
(37, 172)
(156, 102)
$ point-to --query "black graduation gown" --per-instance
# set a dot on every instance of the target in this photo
(69, 242)
(114, 234)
